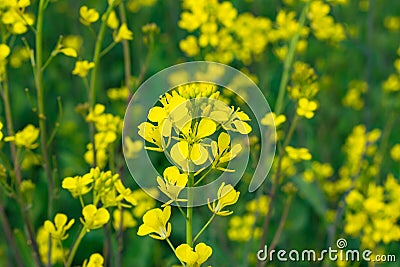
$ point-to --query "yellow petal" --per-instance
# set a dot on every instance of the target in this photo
(198, 154)
(185, 253)
(205, 128)
(157, 114)
(203, 251)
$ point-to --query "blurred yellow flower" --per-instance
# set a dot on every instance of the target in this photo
(306, 108)
(270, 119)
(156, 221)
(94, 218)
(123, 220)
(227, 195)
(123, 34)
(395, 152)
(298, 154)
(189, 46)
(72, 41)
(60, 226)
(88, 16)
(95, 260)
(82, 68)
(25, 138)
(113, 21)
(4, 51)
(193, 258)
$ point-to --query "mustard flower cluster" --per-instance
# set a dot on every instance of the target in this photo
(50, 237)
(353, 97)
(373, 213)
(14, 17)
(243, 228)
(108, 129)
(217, 25)
(178, 126)
(107, 188)
(323, 25)
(362, 162)
(303, 89)
(177, 119)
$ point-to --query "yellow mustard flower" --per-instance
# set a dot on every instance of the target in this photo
(227, 195)
(306, 108)
(72, 41)
(223, 152)
(82, 68)
(172, 184)
(25, 138)
(190, 146)
(60, 226)
(56, 252)
(4, 51)
(298, 154)
(88, 15)
(151, 134)
(194, 258)
(113, 21)
(121, 93)
(395, 152)
(124, 192)
(189, 46)
(231, 119)
(392, 83)
(94, 218)
(69, 52)
(270, 119)
(132, 148)
(123, 34)
(145, 202)
(123, 220)
(172, 112)
(78, 185)
(95, 260)
(156, 221)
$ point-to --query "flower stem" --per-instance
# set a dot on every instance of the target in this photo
(189, 210)
(288, 63)
(95, 71)
(204, 228)
(173, 249)
(38, 72)
(75, 247)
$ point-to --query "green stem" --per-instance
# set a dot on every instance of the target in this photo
(181, 210)
(189, 210)
(288, 62)
(95, 71)
(75, 247)
(126, 50)
(203, 176)
(204, 228)
(107, 49)
(40, 99)
(173, 249)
